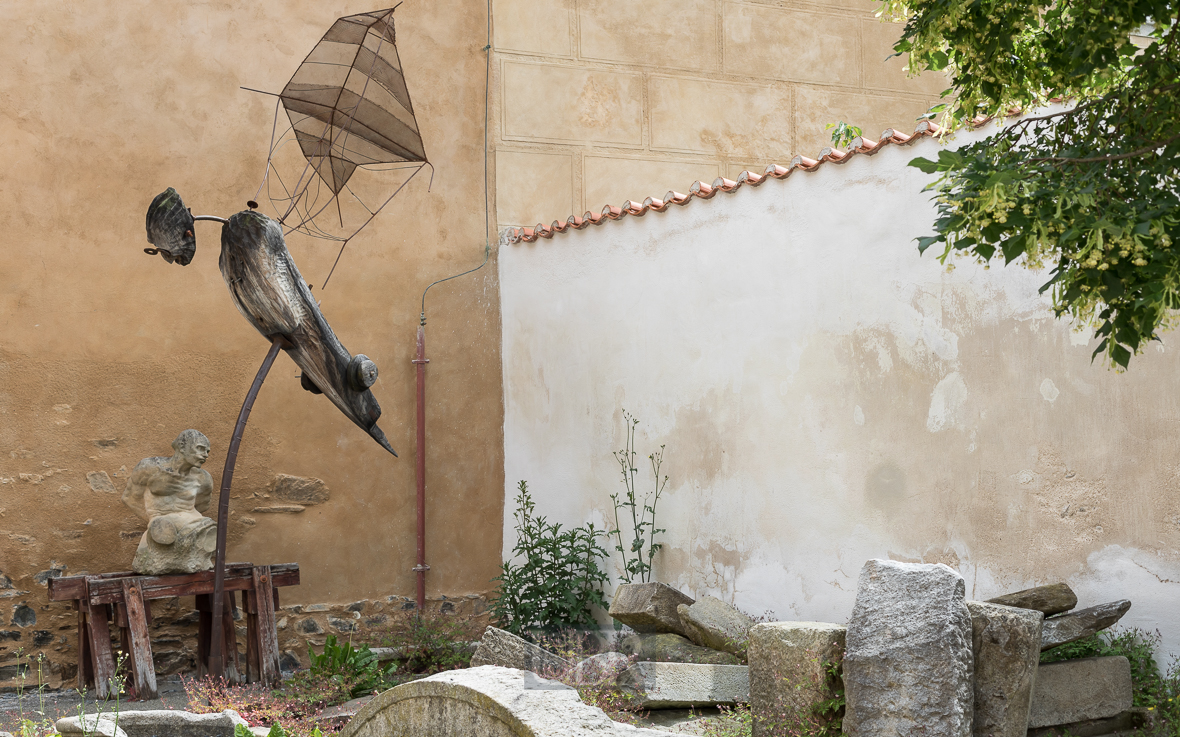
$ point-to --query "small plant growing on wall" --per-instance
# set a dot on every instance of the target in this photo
(636, 568)
(557, 580)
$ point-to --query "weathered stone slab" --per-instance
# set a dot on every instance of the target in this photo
(152, 723)
(509, 651)
(787, 669)
(1082, 623)
(908, 665)
(487, 701)
(1078, 690)
(1132, 721)
(1049, 600)
(649, 607)
(600, 668)
(679, 685)
(710, 622)
(91, 725)
(1006, 643)
(670, 648)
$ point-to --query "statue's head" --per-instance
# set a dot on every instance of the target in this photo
(193, 446)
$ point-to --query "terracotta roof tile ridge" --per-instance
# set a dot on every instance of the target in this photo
(704, 191)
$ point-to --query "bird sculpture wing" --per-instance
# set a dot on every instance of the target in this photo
(269, 292)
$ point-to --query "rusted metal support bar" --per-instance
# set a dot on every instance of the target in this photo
(421, 362)
(217, 642)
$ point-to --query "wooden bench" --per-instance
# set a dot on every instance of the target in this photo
(124, 597)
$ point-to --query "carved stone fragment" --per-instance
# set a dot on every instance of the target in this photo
(506, 650)
(908, 666)
(649, 607)
(710, 622)
(1006, 642)
(1082, 623)
(1052, 599)
(787, 669)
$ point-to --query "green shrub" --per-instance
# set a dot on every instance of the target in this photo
(428, 643)
(558, 577)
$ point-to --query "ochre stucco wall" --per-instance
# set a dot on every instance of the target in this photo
(106, 353)
(827, 396)
(599, 102)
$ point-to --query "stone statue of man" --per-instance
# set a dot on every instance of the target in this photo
(171, 493)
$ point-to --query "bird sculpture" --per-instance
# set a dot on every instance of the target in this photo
(269, 291)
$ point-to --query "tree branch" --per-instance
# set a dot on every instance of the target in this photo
(1150, 148)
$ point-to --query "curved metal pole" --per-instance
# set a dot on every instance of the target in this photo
(216, 658)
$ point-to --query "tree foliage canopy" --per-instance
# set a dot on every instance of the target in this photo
(1088, 187)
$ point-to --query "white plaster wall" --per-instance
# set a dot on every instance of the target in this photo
(828, 396)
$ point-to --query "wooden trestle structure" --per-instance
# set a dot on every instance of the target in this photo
(125, 597)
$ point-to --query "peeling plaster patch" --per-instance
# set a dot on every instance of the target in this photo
(1049, 390)
(858, 415)
(946, 403)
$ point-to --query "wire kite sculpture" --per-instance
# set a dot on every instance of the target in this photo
(349, 109)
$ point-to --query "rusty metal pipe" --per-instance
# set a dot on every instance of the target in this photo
(421, 362)
(216, 656)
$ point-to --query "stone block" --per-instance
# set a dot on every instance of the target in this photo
(1079, 690)
(640, 33)
(1052, 599)
(1084, 622)
(89, 725)
(649, 607)
(506, 650)
(600, 668)
(609, 180)
(534, 187)
(298, 490)
(1006, 644)
(787, 669)
(908, 663)
(487, 701)
(815, 107)
(672, 648)
(157, 723)
(883, 71)
(679, 685)
(764, 41)
(752, 121)
(533, 26)
(580, 105)
(1135, 720)
(710, 622)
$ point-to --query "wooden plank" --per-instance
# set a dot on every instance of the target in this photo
(229, 642)
(203, 605)
(103, 660)
(65, 588)
(139, 642)
(268, 642)
(85, 658)
(253, 674)
(162, 587)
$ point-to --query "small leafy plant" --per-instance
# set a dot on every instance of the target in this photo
(843, 134)
(428, 643)
(558, 577)
(356, 667)
(643, 514)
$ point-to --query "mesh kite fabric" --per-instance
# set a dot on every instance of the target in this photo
(348, 101)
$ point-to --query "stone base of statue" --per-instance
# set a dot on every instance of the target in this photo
(176, 546)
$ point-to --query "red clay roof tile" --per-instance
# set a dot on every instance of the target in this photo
(701, 190)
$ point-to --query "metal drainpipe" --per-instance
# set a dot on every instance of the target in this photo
(421, 362)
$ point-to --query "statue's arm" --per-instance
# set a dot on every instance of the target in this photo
(204, 493)
(137, 486)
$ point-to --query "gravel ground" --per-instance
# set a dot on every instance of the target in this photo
(53, 705)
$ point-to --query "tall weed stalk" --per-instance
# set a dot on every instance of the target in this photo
(642, 513)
